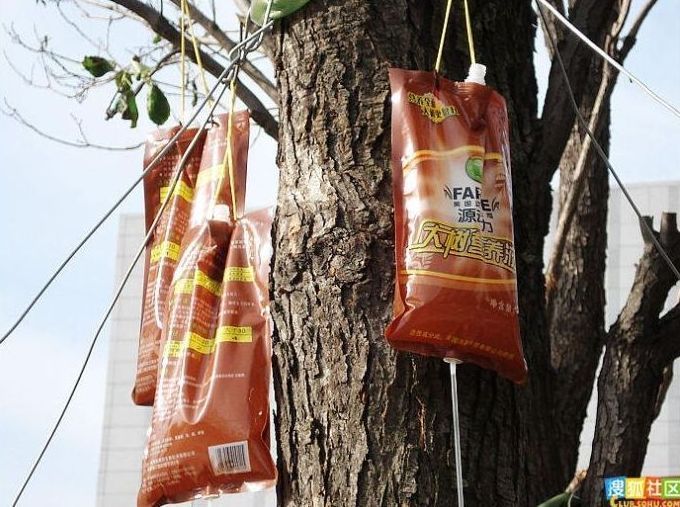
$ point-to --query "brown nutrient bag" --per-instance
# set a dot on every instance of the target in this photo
(162, 250)
(456, 289)
(209, 426)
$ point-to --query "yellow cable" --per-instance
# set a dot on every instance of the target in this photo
(228, 155)
(468, 28)
(443, 37)
(181, 60)
(197, 51)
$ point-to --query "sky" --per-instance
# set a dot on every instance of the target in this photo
(54, 193)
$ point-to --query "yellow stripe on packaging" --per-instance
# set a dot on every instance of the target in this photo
(181, 189)
(200, 279)
(200, 344)
(421, 156)
(214, 173)
(166, 249)
(239, 274)
(184, 286)
(238, 334)
(192, 341)
(203, 280)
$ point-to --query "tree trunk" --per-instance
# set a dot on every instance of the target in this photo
(640, 349)
(576, 305)
(627, 394)
(357, 423)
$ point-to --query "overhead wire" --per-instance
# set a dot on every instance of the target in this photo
(598, 148)
(226, 77)
(608, 58)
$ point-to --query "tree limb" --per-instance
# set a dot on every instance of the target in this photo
(629, 40)
(594, 18)
(653, 280)
(220, 36)
(160, 25)
(568, 209)
(553, 26)
(609, 77)
(13, 113)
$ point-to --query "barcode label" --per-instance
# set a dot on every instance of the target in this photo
(230, 458)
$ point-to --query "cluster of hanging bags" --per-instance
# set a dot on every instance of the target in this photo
(205, 352)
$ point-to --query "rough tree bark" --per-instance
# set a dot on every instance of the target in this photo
(640, 347)
(357, 423)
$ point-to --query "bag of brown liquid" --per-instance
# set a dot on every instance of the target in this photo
(162, 250)
(455, 287)
(209, 429)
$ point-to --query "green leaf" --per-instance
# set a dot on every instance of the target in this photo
(97, 66)
(474, 167)
(157, 105)
(157, 38)
(126, 105)
(280, 9)
(561, 500)
(131, 112)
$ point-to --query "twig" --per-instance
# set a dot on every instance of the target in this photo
(13, 113)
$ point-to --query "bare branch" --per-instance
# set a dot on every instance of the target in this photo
(83, 35)
(594, 18)
(83, 142)
(568, 210)
(629, 40)
(227, 44)
(639, 317)
(160, 25)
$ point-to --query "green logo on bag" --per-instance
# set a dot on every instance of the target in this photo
(474, 168)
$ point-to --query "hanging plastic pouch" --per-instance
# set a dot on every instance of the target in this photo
(163, 249)
(209, 418)
(456, 290)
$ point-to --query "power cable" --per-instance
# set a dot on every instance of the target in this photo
(598, 148)
(607, 57)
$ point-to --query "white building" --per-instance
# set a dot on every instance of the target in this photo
(125, 425)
